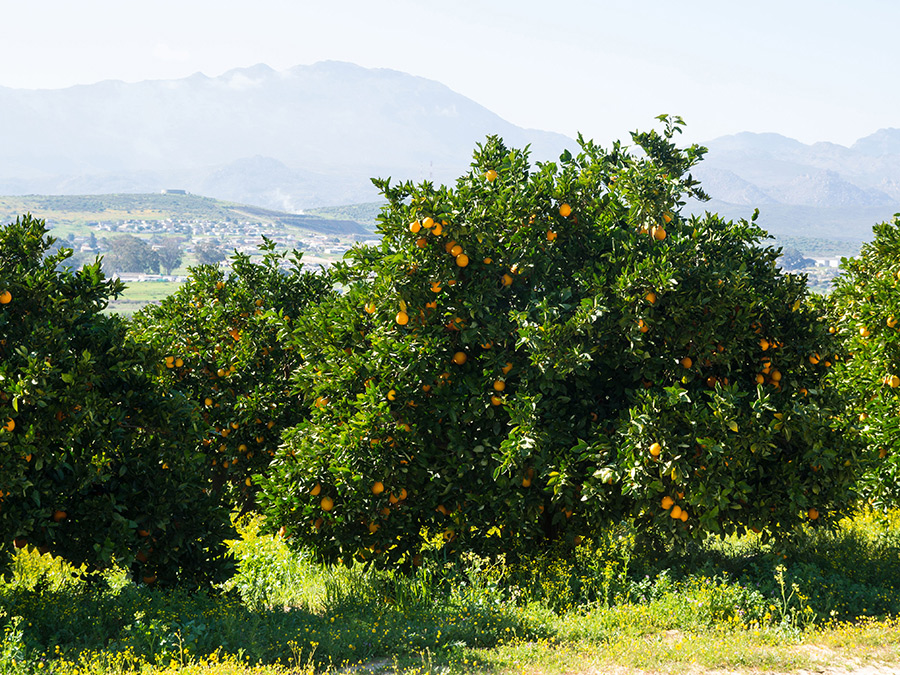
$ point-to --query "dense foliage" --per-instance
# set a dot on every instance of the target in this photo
(865, 305)
(94, 463)
(219, 341)
(540, 351)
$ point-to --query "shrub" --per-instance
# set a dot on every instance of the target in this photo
(94, 463)
(865, 312)
(538, 353)
(220, 340)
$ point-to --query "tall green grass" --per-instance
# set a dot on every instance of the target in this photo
(282, 610)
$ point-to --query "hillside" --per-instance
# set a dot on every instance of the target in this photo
(79, 211)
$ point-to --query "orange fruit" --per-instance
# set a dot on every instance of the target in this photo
(373, 528)
(402, 318)
(448, 247)
(526, 482)
(760, 379)
(10, 424)
(415, 226)
(551, 235)
(462, 260)
(499, 385)
(150, 579)
(643, 327)
(764, 344)
(687, 362)
(5, 297)
(428, 223)
(683, 517)
(507, 280)
(459, 358)
(891, 321)
(650, 297)
(316, 490)
(59, 516)
(565, 210)
(659, 233)
(655, 449)
(667, 218)
(456, 250)
(327, 503)
(813, 514)
(392, 395)
(377, 487)
(438, 230)
(496, 400)
(667, 502)
(421, 242)
(675, 513)
(508, 367)
(491, 175)
(487, 261)
(864, 331)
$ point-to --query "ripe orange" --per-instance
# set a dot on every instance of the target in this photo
(150, 579)
(496, 400)
(499, 385)
(59, 516)
(10, 424)
(487, 261)
(864, 331)
(5, 297)
(316, 490)
(448, 247)
(565, 210)
(507, 280)
(428, 223)
(402, 318)
(764, 344)
(891, 321)
(462, 260)
(508, 367)
(659, 233)
(327, 503)
(438, 230)
(643, 326)
(377, 487)
(683, 517)
(491, 175)
(667, 218)
(655, 449)
(667, 502)
(687, 362)
(415, 226)
(526, 482)
(650, 297)
(392, 395)
(421, 242)
(459, 358)
(456, 250)
(813, 514)
(373, 528)
(551, 235)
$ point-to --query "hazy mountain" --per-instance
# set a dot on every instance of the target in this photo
(806, 189)
(311, 135)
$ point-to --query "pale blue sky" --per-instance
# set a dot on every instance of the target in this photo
(812, 70)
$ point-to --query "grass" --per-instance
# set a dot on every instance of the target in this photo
(735, 604)
(139, 294)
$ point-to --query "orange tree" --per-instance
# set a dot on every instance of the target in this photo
(93, 460)
(538, 352)
(217, 339)
(865, 309)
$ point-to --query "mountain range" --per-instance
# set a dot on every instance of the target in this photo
(313, 136)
